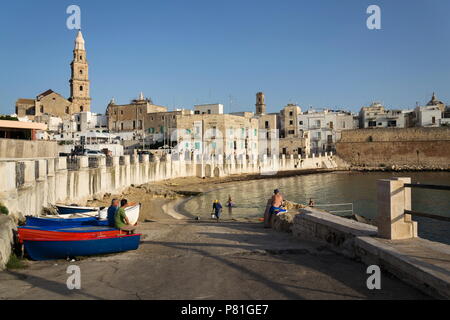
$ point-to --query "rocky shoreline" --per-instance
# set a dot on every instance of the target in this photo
(398, 168)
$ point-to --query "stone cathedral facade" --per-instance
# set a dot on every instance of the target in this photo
(52, 103)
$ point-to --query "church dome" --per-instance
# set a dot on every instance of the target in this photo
(434, 101)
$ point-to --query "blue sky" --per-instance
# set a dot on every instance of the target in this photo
(180, 53)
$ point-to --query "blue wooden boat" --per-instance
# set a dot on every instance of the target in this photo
(48, 250)
(71, 222)
(62, 209)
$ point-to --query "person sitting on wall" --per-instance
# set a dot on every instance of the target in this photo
(112, 212)
(121, 220)
(277, 202)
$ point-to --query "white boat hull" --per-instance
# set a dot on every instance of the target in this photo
(131, 212)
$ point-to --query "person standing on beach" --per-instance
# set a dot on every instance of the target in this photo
(217, 209)
(121, 220)
(230, 205)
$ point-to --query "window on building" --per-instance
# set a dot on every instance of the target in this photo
(331, 124)
(372, 124)
(301, 123)
(81, 71)
(121, 126)
(291, 113)
(291, 122)
(209, 111)
(81, 108)
(266, 125)
(197, 146)
(197, 112)
(134, 124)
(140, 124)
(291, 132)
(433, 120)
(81, 88)
(330, 139)
(42, 109)
(318, 124)
(121, 112)
(343, 124)
(392, 123)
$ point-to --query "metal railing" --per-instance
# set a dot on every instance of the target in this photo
(423, 214)
(335, 205)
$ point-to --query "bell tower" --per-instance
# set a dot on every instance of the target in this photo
(79, 82)
(260, 103)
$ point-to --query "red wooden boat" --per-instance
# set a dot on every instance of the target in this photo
(36, 233)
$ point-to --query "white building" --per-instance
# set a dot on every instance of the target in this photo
(208, 109)
(324, 127)
(376, 116)
(428, 116)
(86, 121)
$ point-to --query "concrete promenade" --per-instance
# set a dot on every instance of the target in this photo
(207, 260)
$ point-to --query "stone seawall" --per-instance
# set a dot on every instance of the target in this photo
(16, 149)
(29, 186)
(414, 147)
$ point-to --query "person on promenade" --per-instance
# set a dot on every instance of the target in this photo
(112, 212)
(121, 220)
(311, 203)
(217, 209)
